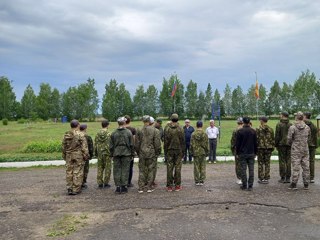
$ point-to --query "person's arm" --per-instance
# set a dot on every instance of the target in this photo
(290, 135)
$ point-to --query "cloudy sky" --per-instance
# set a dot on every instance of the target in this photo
(64, 42)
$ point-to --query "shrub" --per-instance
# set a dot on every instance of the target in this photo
(5, 121)
(49, 146)
(21, 121)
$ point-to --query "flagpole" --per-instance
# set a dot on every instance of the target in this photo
(257, 99)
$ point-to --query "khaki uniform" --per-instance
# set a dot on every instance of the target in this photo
(86, 163)
(298, 137)
(199, 149)
(74, 152)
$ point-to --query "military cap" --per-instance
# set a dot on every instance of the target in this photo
(174, 116)
(146, 118)
(285, 113)
(263, 118)
(83, 127)
(151, 119)
(121, 120)
(240, 120)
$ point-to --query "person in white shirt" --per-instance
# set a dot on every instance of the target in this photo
(213, 133)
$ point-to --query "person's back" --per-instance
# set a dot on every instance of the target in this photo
(199, 143)
(121, 143)
(298, 136)
(147, 142)
(281, 134)
(102, 142)
(246, 142)
(174, 138)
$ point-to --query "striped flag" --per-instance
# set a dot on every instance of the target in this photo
(174, 89)
(256, 90)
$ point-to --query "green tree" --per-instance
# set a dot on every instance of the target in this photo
(238, 101)
(44, 101)
(109, 102)
(139, 101)
(29, 103)
(124, 101)
(7, 99)
(165, 98)
(274, 99)
(208, 100)
(201, 110)
(152, 101)
(191, 98)
(55, 104)
(69, 104)
(286, 98)
(263, 101)
(227, 101)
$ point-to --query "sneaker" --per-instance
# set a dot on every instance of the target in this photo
(214, 162)
(178, 188)
(266, 181)
(201, 183)
(197, 184)
(150, 190)
(169, 189)
(209, 161)
(261, 181)
(74, 193)
(130, 185)
(239, 182)
(124, 189)
(243, 187)
(140, 191)
(107, 185)
(84, 186)
(118, 190)
(100, 186)
(306, 186)
(311, 180)
(281, 180)
(69, 191)
(287, 180)
(293, 186)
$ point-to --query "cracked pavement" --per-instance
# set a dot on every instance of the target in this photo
(32, 200)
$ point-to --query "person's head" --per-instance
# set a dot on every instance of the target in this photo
(211, 123)
(284, 115)
(240, 121)
(158, 122)
(105, 123)
(246, 120)
(146, 119)
(187, 122)
(151, 121)
(299, 116)
(83, 127)
(199, 124)
(174, 117)
(263, 120)
(128, 119)
(121, 121)
(307, 115)
(74, 123)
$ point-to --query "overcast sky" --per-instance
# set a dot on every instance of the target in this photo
(64, 42)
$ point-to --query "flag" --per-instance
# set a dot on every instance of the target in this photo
(174, 89)
(256, 90)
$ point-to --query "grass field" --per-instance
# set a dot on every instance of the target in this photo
(14, 137)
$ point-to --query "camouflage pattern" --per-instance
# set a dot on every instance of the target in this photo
(102, 144)
(174, 146)
(265, 139)
(233, 150)
(148, 148)
(75, 153)
(313, 144)
(86, 164)
(283, 148)
(298, 137)
(122, 150)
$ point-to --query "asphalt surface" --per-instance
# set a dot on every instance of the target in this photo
(33, 200)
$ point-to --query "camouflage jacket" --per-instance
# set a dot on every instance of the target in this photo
(313, 142)
(147, 142)
(298, 137)
(174, 138)
(121, 143)
(90, 145)
(199, 143)
(265, 137)
(282, 133)
(102, 142)
(75, 144)
(233, 141)
(161, 132)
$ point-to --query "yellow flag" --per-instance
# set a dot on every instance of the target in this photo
(256, 90)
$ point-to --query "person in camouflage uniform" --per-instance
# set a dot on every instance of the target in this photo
(133, 131)
(75, 153)
(298, 137)
(233, 150)
(102, 142)
(265, 139)
(313, 143)
(199, 149)
(158, 126)
(122, 151)
(174, 146)
(283, 147)
(83, 129)
(148, 148)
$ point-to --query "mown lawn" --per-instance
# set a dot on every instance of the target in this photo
(14, 137)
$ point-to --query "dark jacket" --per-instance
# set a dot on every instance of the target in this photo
(281, 133)
(313, 142)
(246, 142)
(187, 133)
(121, 143)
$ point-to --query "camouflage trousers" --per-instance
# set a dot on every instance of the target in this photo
(121, 167)
(104, 169)
(174, 164)
(155, 169)
(264, 156)
(146, 172)
(312, 154)
(237, 166)
(74, 172)
(300, 160)
(199, 169)
(85, 171)
(284, 161)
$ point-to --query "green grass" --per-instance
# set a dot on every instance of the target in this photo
(15, 138)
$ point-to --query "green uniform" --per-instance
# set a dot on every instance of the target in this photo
(122, 151)
(86, 164)
(102, 143)
(233, 150)
(265, 139)
(148, 148)
(174, 146)
(284, 150)
(199, 149)
(313, 144)
(74, 152)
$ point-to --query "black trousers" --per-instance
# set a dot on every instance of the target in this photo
(247, 160)
(213, 149)
(187, 152)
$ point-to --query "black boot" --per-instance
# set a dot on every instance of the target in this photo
(124, 189)
(118, 190)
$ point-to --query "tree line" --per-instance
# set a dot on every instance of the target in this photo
(82, 101)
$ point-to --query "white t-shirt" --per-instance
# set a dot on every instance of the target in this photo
(212, 132)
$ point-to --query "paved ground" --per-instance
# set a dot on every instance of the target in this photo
(32, 201)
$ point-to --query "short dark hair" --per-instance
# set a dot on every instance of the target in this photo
(159, 121)
(307, 115)
(83, 127)
(105, 123)
(74, 123)
(128, 119)
(246, 120)
(175, 120)
(199, 124)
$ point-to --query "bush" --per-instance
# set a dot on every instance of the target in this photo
(5, 121)
(21, 121)
(50, 146)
